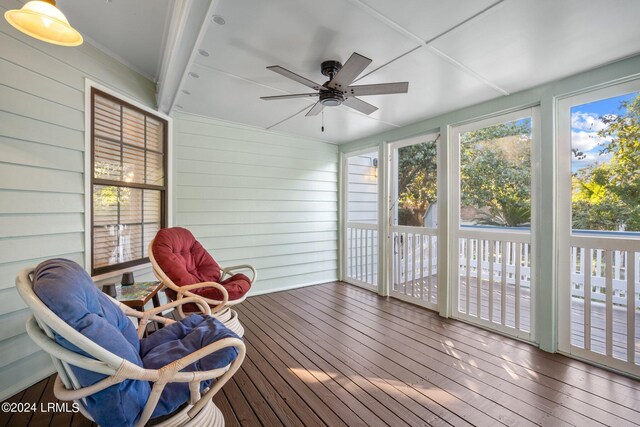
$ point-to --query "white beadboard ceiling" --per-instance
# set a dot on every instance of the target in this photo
(454, 53)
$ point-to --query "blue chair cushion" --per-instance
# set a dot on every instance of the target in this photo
(179, 340)
(69, 292)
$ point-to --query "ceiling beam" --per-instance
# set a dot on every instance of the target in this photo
(188, 25)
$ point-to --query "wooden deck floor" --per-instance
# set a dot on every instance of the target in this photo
(338, 355)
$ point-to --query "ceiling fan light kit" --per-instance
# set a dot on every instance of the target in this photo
(337, 90)
(41, 19)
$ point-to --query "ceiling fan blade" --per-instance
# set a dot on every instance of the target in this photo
(379, 89)
(293, 76)
(315, 110)
(360, 105)
(295, 95)
(349, 71)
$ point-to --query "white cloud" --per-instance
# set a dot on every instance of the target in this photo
(587, 141)
(586, 121)
(589, 159)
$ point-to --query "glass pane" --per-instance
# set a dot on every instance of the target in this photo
(107, 160)
(107, 118)
(133, 169)
(495, 175)
(155, 169)
(155, 135)
(605, 146)
(417, 185)
(362, 188)
(117, 225)
(133, 131)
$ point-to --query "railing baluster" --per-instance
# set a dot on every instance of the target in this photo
(492, 248)
(421, 280)
(398, 246)
(351, 272)
(518, 261)
(406, 263)
(413, 265)
(586, 265)
(468, 269)
(374, 258)
(503, 291)
(366, 256)
(430, 268)
(631, 309)
(609, 301)
(480, 248)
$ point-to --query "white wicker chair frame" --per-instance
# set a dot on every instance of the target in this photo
(200, 410)
(221, 309)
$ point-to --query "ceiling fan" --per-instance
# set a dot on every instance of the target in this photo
(336, 90)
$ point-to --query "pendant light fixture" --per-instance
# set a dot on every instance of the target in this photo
(42, 20)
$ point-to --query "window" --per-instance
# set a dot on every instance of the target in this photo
(128, 182)
(495, 175)
(605, 164)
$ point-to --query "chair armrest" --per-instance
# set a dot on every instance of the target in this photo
(171, 373)
(228, 270)
(184, 291)
(148, 315)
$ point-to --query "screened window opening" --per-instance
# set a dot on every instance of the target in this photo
(128, 182)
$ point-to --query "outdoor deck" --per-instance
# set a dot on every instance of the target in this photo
(338, 355)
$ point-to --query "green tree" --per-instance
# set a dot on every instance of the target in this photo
(495, 173)
(417, 182)
(606, 195)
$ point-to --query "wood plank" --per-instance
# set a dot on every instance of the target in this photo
(32, 395)
(497, 374)
(303, 390)
(5, 417)
(221, 401)
(554, 371)
(349, 365)
(239, 404)
(260, 406)
(431, 370)
(350, 409)
(426, 395)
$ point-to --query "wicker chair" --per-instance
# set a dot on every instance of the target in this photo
(58, 338)
(187, 270)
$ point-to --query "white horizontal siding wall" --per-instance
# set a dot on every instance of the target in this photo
(258, 197)
(42, 172)
(362, 188)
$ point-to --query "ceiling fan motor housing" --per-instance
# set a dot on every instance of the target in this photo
(330, 68)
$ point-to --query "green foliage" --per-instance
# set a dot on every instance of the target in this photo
(606, 196)
(417, 182)
(495, 174)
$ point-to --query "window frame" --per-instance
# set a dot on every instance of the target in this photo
(166, 208)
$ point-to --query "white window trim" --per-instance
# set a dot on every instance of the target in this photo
(88, 84)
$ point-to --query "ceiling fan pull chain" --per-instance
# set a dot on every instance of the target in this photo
(322, 128)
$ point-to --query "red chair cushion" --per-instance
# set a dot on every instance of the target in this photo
(186, 262)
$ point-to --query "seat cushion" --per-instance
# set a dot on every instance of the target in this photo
(187, 262)
(69, 292)
(181, 339)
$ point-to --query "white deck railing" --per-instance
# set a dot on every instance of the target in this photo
(361, 252)
(494, 279)
(415, 264)
(605, 279)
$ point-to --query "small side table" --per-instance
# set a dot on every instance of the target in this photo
(138, 294)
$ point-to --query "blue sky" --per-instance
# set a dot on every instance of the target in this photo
(585, 124)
